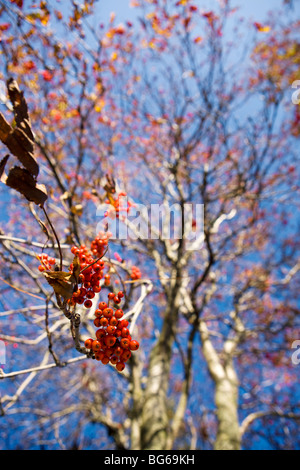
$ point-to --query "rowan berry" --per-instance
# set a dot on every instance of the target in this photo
(119, 313)
(100, 333)
(120, 366)
(124, 343)
(108, 312)
(90, 294)
(109, 352)
(123, 324)
(134, 345)
(102, 305)
(88, 303)
(118, 350)
(103, 321)
(88, 343)
(113, 321)
(96, 345)
(97, 322)
(99, 356)
(111, 329)
(110, 340)
(125, 355)
(114, 359)
(124, 332)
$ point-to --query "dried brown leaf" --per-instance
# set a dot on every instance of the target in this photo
(22, 181)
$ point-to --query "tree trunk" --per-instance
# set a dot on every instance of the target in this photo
(155, 421)
(154, 414)
(226, 392)
(228, 434)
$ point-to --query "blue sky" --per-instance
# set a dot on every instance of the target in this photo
(254, 9)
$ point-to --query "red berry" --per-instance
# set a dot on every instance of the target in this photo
(120, 366)
(90, 295)
(96, 345)
(119, 313)
(124, 343)
(97, 322)
(102, 305)
(113, 321)
(108, 312)
(114, 359)
(88, 303)
(103, 321)
(99, 356)
(111, 329)
(110, 340)
(109, 352)
(125, 356)
(105, 360)
(118, 351)
(100, 333)
(120, 295)
(111, 295)
(134, 345)
(88, 343)
(124, 332)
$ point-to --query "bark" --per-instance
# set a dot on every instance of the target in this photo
(154, 413)
(228, 434)
(226, 393)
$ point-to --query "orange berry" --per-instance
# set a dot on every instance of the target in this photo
(120, 366)
(96, 345)
(134, 345)
(88, 343)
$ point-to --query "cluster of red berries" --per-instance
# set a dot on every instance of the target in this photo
(99, 244)
(113, 343)
(135, 273)
(47, 263)
(118, 204)
(91, 273)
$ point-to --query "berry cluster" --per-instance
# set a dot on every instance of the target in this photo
(99, 244)
(135, 273)
(47, 263)
(91, 273)
(118, 204)
(113, 341)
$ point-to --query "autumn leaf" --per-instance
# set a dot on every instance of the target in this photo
(261, 28)
(61, 282)
(64, 283)
(19, 140)
(22, 181)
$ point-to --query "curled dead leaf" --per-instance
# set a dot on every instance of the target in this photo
(22, 181)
